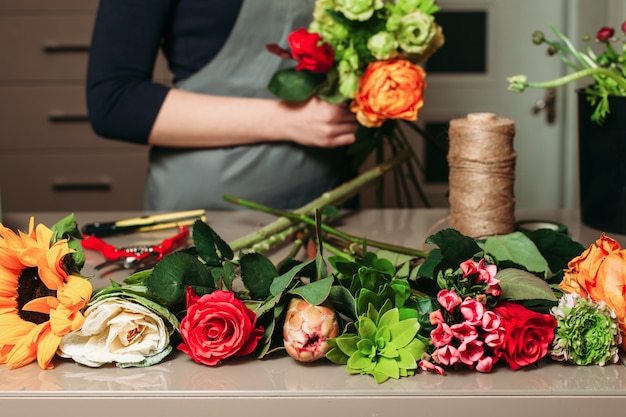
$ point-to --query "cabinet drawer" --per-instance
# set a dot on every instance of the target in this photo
(39, 47)
(47, 117)
(48, 5)
(72, 182)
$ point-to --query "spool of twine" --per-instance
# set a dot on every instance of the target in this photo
(481, 158)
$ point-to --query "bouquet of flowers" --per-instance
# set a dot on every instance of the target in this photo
(606, 68)
(367, 53)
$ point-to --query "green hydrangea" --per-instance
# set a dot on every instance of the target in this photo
(587, 332)
(384, 345)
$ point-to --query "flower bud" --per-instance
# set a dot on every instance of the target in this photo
(538, 37)
(306, 329)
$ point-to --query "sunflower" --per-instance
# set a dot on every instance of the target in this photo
(39, 300)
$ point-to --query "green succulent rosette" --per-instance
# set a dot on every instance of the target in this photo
(384, 345)
(587, 332)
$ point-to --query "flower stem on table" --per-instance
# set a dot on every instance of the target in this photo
(333, 197)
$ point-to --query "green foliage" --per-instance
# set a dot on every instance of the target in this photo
(293, 85)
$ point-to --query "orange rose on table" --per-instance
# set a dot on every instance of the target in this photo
(600, 274)
(390, 89)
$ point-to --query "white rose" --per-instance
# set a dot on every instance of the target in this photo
(118, 330)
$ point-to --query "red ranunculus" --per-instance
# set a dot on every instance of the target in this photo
(528, 334)
(605, 34)
(217, 326)
(310, 51)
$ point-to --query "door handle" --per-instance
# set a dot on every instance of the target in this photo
(547, 104)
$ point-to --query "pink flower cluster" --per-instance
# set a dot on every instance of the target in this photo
(468, 333)
(473, 341)
(486, 274)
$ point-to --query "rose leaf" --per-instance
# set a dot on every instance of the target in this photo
(518, 285)
(293, 85)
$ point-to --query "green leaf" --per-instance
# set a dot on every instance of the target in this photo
(342, 301)
(557, 248)
(519, 249)
(209, 244)
(347, 343)
(174, 273)
(320, 263)
(390, 318)
(404, 332)
(316, 292)
(518, 285)
(387, 368)
(335, 355)
(406, 360)
(281, 283)
(416, 348)
(292, 85)
(454, 246)
(257, 273)
(67, 228)
(367, 328)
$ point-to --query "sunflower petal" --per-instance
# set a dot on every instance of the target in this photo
(46, 348)
(25, 350)
(41, 305)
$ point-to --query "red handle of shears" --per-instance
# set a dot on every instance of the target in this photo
(112, 253)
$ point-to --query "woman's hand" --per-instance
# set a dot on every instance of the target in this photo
(316, 122)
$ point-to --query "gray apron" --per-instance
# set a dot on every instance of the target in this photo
(282, 174)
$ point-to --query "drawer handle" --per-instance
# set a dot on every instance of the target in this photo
(66, 117)
(63, 185)
(61, 48)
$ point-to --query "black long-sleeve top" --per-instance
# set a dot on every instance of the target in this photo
(122, 99)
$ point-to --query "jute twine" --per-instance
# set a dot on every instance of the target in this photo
(482, 175)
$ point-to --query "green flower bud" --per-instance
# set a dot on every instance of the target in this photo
(587, 332)
(383, 45)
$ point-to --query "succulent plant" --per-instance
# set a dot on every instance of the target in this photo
(383, 346)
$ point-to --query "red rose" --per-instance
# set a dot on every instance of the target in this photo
(217, 326)
(310, 51)
(527, 334)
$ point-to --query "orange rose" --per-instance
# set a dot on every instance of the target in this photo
(390, 89)
(600, 274)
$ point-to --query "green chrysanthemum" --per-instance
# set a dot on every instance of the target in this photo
(587, 332)
(385, 346)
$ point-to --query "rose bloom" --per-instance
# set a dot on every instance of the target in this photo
(117, 330)
(390, 89)
(218, 326)
(600, 274)
(310, 51)
(527, 334)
